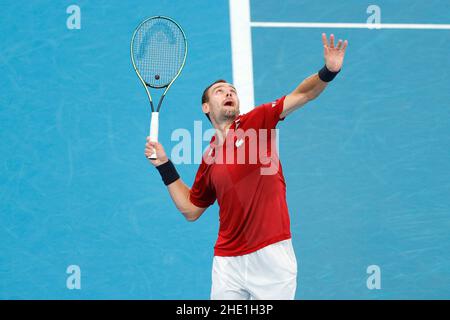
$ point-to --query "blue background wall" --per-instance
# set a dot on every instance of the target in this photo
(367, 164)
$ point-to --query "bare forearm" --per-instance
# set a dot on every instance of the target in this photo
(179, 192)
(308, 90)
(311, 87)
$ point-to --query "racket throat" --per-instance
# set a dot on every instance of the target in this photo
(160, 101)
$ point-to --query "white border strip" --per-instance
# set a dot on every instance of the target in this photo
(348, 25)
(241, 48)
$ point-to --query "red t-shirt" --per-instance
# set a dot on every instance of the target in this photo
(249, 186)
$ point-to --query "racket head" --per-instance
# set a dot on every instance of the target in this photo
(158, 51)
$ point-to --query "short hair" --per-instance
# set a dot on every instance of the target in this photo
(205, 95)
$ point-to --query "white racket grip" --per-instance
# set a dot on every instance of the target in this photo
(154, 128)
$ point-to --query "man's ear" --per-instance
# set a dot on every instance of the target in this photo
(205, 107)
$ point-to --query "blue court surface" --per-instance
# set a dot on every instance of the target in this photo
(367, 164)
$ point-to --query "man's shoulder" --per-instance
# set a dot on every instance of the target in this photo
(259, 110)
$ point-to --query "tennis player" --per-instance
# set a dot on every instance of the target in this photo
(253, 256)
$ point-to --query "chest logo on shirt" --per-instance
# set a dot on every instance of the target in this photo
(239, 143)
(274, 104)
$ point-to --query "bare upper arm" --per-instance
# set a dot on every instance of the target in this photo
(292, 102)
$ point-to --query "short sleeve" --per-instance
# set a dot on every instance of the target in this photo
(273, 111)
(202, 193)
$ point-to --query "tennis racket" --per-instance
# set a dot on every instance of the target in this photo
(158, 54)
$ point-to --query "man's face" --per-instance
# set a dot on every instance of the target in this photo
(223, 103)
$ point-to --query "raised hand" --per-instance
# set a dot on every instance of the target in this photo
(334, 55)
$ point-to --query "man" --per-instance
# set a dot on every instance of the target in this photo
(253, 255)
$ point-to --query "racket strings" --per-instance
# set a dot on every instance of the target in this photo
(159, 49)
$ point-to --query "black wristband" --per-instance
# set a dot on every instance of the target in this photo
(168, 172)
(326, 75)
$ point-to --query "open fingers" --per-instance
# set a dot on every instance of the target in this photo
(341, 45)
(324, 39)
(331, 40)
(345, 45)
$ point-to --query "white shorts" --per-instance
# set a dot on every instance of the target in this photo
(267, 274)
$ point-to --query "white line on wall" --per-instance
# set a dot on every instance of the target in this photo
(256, 24)
(241, 48)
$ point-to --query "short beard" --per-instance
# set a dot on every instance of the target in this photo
(228, 115)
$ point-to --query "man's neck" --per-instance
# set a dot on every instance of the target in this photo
(222, 130)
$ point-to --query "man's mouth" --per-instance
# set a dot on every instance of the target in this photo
(229, 103)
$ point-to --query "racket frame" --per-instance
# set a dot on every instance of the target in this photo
(154, 122)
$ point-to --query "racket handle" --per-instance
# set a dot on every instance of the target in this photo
(154, 128)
